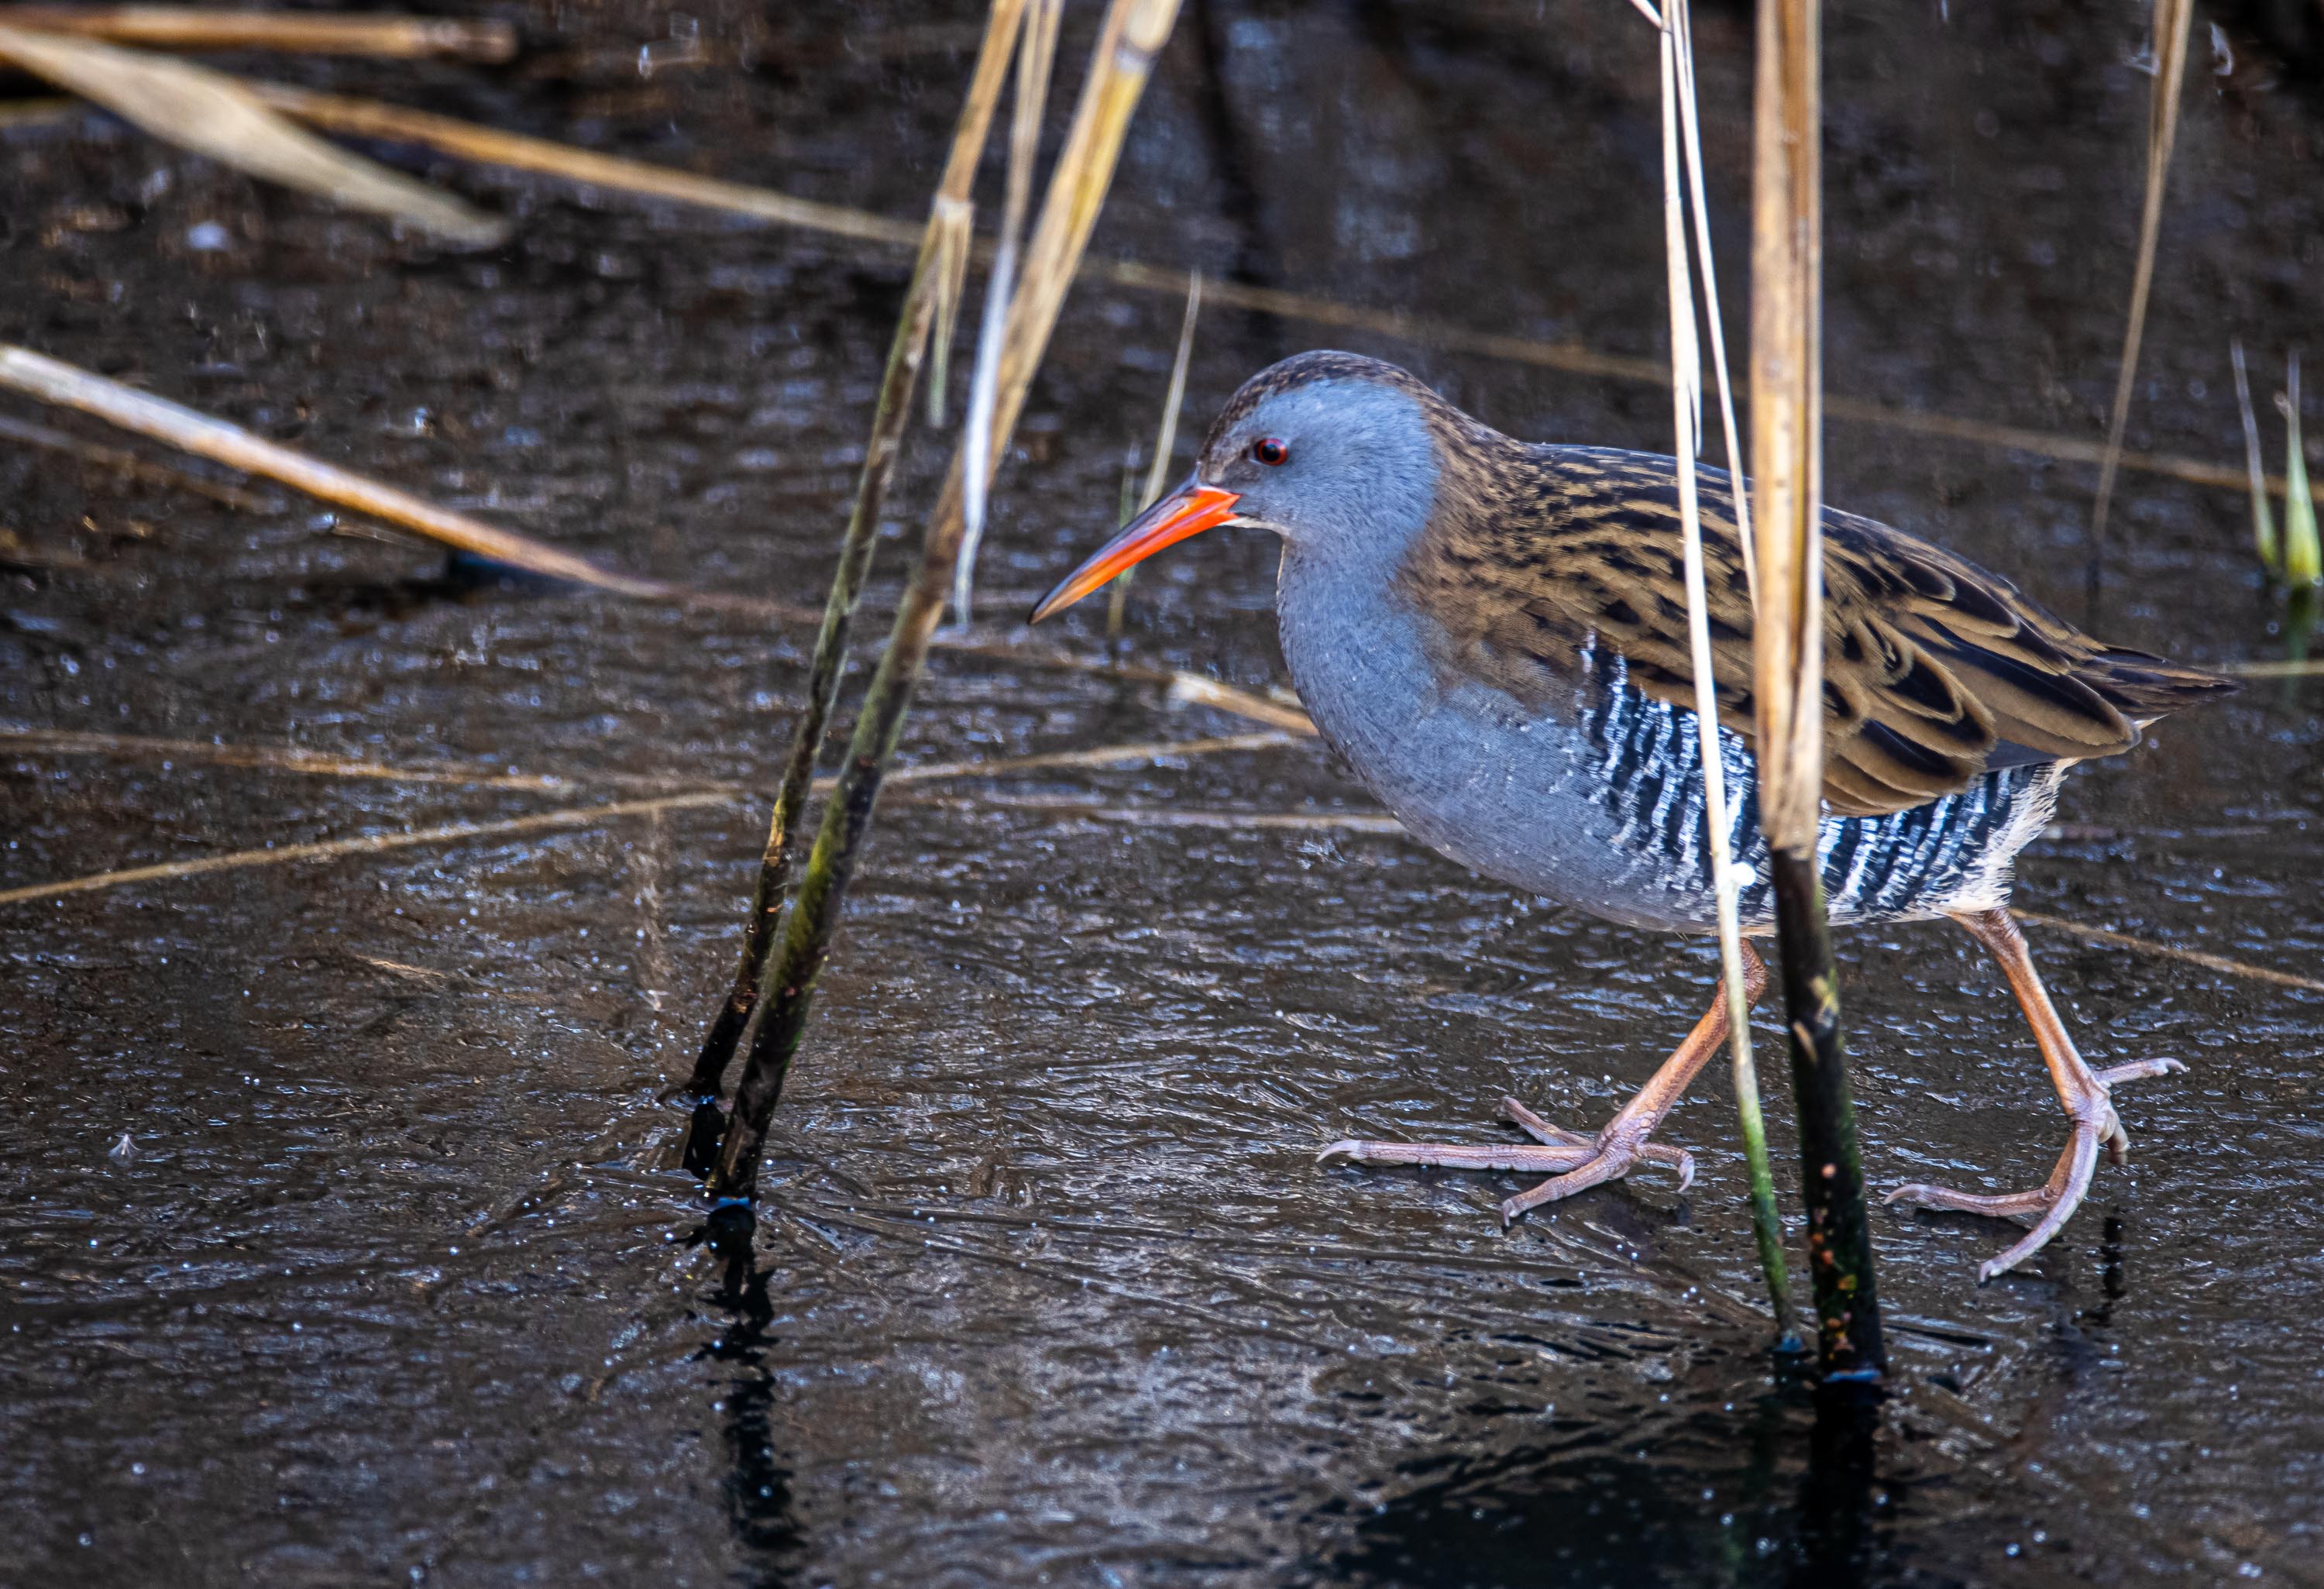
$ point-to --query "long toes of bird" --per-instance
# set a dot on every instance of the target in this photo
(2139, 1070)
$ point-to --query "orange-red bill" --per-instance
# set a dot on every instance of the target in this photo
(1190, 509)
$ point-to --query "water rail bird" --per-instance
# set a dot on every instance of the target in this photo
(1493, 635)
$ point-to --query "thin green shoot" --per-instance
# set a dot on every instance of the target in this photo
(2264, 540)
(2303, 558)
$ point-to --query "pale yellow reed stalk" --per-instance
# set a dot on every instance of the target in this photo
(1686, 423)
(293, 32)
(68, 386)
(2172, 19)
(215, 115)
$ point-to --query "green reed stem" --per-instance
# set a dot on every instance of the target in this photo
(2303, 555)
(1133, 32)
(1787, 662)
(944, 248)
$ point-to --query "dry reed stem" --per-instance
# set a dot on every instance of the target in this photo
(1674, 44)
(364, 845)
(61, 742)
(55, 382)
(2123, 941)
(136, 468)
(1166, 443)
(1129, 40)
(289, 759)
(952, 222)
(1165, 438)
(1787, 656)
(1683, 27)
(595, 816)
(611, 173)
(21, 740)
(2171, 18)
(1786, 445)
(1036, 63)
(369, 118)
(424, 975)
(1370, 822)
(215, 115)
(193, 27)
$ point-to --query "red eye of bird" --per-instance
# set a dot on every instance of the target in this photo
(1271, 452)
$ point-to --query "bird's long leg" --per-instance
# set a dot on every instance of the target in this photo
(1577, 1161)
(2085, 1093)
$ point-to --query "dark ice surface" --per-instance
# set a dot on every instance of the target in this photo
(396, 1278)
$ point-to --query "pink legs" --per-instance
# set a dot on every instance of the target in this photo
(2082, 1090)
(1577, 1162)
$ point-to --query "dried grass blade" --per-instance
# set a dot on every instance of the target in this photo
(1686, 422)
(1739, 500)
(369, 118)
(2172, 19)
(954, 223)
(129, 464)
(570, 817)
(2263, 541)
(1166, 443)
(1035, 61)
(2218, 962)
(211, 114)
(364, 845)
(195, 27)
(68, 386)
(1165, 439)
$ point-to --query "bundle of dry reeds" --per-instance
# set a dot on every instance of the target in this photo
(1128, 41)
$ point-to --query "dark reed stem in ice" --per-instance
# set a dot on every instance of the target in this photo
(1787, 509)
(1132, 34)
(943, 242)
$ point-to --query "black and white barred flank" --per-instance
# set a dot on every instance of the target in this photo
(1954, 853)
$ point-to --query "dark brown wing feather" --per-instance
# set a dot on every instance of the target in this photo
(1934, 671)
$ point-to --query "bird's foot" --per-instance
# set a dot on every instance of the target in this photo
(1575, 1162)
(2053, 1202)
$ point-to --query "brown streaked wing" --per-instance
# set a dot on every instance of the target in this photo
(1934, 669)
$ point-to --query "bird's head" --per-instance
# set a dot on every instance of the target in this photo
(1330, 450)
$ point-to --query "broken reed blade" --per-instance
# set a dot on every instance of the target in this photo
(209, 113)
(1132, 34)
